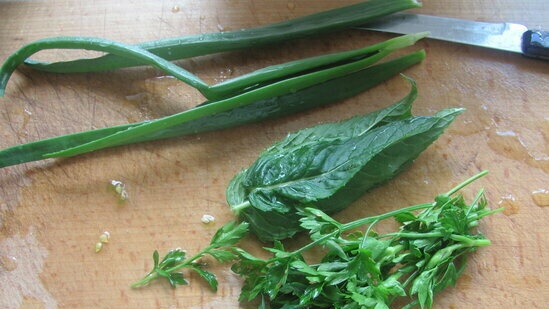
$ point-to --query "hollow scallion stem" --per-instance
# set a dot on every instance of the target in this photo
(210, 43)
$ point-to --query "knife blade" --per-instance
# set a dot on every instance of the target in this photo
(503, 36)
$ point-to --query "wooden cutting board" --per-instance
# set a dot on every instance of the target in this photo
(52, 212)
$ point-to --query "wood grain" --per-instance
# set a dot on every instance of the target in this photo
(52, 212)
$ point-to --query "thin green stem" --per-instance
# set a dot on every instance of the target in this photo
(358, 223)
(467, 241)
(238, 208)
(412, 235)
(475, 201)
(363, 221)
(466, 182)
(443, 254)
(154, 273)
(314, 243)
(485, 213)
(191, 259)
(365, 238)
(148, 278)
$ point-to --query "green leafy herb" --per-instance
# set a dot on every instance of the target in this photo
(220, 249)
(363, 269)
(331, 165)
(358, 267)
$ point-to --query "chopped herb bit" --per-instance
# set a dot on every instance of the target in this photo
(120, 189)
(98, 246)
(207, 219)
(104, 237)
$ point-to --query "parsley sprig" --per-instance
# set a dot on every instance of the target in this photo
(359, 268)
(220, 248)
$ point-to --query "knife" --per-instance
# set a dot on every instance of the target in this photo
(503, 36)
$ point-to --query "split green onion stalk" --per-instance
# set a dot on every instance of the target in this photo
(211, 43)
(270, 92)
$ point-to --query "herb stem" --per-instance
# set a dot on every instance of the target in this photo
(363, 221)
(470, 242)
(465, 183)
(412, 235)
(238, 208)
(315, 242)
(153, 274)
(148, 278)
(485, 213)
(358, 223)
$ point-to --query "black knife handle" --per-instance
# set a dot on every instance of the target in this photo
(536, 44)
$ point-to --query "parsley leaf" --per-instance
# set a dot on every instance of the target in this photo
(220, 248)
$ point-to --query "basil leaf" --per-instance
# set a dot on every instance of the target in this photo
(407, 139)
(331, 165)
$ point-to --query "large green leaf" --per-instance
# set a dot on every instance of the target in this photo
(331, 165)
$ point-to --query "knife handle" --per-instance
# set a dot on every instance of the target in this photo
(535, 44)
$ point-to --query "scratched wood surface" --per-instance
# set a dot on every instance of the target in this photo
(52, 212)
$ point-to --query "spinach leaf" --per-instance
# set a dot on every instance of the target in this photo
(331, 165)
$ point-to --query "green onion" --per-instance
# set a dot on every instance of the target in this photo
(210, 43)
(317, 95)
(280, 88)
(222, 90)
(270, 92)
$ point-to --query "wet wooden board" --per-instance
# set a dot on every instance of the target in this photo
(52, 212)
